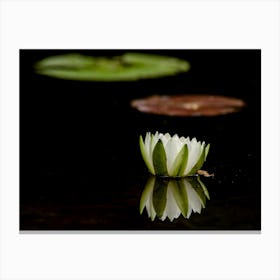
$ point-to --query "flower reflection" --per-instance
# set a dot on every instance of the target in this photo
(169, 198)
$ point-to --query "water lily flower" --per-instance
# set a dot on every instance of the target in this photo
(172, 156)
(170, 198)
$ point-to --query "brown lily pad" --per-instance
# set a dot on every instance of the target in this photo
(188, 105)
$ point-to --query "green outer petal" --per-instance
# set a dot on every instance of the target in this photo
(180, 162)
(159, 196)
(159, 159)
(145, 155)
(180, 195)
(146, 192)
(207, 151)
(199, 163)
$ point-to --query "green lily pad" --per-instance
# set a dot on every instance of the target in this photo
(127, 67)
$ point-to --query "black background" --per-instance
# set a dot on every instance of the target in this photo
(80, 163)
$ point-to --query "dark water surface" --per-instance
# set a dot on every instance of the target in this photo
(80, 163)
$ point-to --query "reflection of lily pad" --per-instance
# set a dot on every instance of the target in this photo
(128, 67)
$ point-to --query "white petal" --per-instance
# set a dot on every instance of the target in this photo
(185, 139)
(165, 138)
(194, 154)
(147, 143)
(154, 140)
(172, 149)
(194, 140)
(164, 215)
